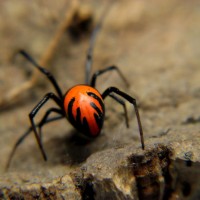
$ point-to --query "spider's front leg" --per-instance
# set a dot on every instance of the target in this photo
(35, 111)
(115, 90)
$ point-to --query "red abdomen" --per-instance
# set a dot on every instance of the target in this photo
(84, 109)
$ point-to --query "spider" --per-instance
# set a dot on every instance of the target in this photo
(82, 105)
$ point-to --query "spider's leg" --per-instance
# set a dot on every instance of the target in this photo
(110, 68)
(89, 55)
(132, 101)
(120, 101)
(45, 118)
(45, 72)
(21, 139)
(107, 69)
(35, 111)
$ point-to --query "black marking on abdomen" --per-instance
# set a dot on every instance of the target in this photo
(91, 94)
(96, 108)
(98, 117)
(70, 114)
(86, 126)
(78, 115)
(83, 127)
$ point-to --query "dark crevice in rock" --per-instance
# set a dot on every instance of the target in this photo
(187, 179)
(88, 192)
(152, 174)
(85, 186)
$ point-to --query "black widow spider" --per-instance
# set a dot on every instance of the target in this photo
(82, 105)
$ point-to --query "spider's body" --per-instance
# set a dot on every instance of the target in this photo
(82, 105)
(84, 109)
